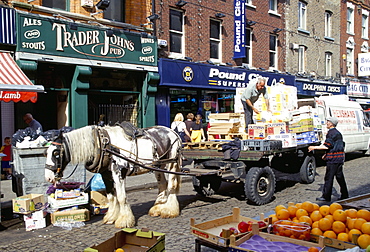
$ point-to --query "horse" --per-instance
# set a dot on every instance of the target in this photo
(158, 147)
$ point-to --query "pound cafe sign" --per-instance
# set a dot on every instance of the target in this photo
(364, 64)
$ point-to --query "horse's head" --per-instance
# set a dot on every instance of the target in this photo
(56, 160)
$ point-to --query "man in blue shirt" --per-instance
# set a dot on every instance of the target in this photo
(250, 96)
(32, 123)
(334, 157)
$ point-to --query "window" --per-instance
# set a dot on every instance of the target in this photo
(301, 59)
(302, 15)
(58, 4)
(115, 11)
(328, 16)
(248, 47)
(273, 51)
(350, 65)
(215, 39)
(273, 5)
(365, 25)
(350, 20)
(328, 56)
(176, 32)
(248, 2)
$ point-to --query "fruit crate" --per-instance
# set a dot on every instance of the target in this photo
(261, 145)
(330, 242)
(211, 230)
(358, 202)
(235, 244)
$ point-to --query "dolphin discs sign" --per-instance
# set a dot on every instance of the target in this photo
(51, 36)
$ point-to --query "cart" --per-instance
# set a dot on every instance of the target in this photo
(253, 167)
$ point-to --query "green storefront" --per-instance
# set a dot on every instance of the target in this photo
(90, 72)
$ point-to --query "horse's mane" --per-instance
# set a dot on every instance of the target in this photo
(81, 144)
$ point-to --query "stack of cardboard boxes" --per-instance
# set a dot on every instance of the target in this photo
(31, 206)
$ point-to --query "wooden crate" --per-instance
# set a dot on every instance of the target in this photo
(210, 230)
(235, 243)
(358, 202)
(220, 136)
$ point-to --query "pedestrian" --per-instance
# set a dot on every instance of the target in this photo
(5, 161)
(197, 132)
(189, 122)
(32, 123)
(334, 158)
(179, 126)
(250, 96)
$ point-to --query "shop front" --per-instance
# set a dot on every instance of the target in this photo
(360, 92)
(189, 87)
(313, 88)
(92, 74)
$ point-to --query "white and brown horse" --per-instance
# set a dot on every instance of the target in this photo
(149, 147)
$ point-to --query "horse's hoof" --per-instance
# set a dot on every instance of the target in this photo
(124, 223)
(154, 211)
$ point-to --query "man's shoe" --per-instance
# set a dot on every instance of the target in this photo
(321, 199)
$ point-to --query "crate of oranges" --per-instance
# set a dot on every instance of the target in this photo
(341, 228)
(292, 229)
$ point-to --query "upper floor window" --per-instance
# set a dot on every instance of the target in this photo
(58, 4)
(215, 39)
(350, 17)
(328, 63)
(248, 47)
(176, 32)
(365, 25)
(328, 21)
(273, 51)
(302, 15)
(350, 61)
(273, 5)
(301, 59)
(115, 11)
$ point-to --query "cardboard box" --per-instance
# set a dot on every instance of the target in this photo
(35, 220)
(288, 140)
(28, 203)
(277, 128)
(257, 131)
(61, 194)
(70, 216)
(301, 129)
(223, 116)
(131, 239)
(98, 202)
(62, 203)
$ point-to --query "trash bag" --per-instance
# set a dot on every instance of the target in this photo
(22, 133)
(51, 135)
(96, 183)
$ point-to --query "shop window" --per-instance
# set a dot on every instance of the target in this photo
(302, 15)
(58, 4)
(273, 51)
(328, 64)
(301, 59)
(215, 39)
(328, 23)
(248, 47)
(176, 33)
(350, 18)
(115, 11)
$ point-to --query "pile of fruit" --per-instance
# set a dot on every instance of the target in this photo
(328, 220)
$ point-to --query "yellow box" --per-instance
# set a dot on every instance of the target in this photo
(70, 216)
(28, 203)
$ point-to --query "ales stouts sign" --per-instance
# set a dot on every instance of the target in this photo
(51, 36)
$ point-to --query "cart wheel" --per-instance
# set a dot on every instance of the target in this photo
(308, 170)
(207, 185)
(260, 185)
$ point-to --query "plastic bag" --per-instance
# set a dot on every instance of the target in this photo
(96, 183)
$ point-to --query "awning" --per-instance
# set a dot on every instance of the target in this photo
(14, 84)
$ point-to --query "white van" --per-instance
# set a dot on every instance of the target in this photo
(352, 122)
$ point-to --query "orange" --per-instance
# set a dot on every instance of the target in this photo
(324, 210)
(279, 207)
(352, 232)
(365, 228)
(316, 231)
(343, 237)
(316, 215)
(330, 217)
(273, 218)
(340, 215)
(315, 206)
(305, 219)
(119, 250)
(313, 249)
(364, 214)
(334, 206)
(364, 240)
(330, 234)
(351, 213)
(338, 227)
(350, 223)
(308, 206)
(325, 224)
(282, 214)
(298, 205)
(301, 212)
(358, 223)
(292, 210)
(315, 224)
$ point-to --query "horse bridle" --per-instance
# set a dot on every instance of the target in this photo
(58, 156)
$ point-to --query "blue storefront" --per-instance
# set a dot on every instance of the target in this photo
(312, 88)
(189, 87)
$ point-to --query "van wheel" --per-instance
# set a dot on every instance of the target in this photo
(207, 185)
(260, 185)
(308, 170)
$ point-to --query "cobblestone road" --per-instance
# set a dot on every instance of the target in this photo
(178, 237)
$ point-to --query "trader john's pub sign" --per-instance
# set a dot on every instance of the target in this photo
(53, 36)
